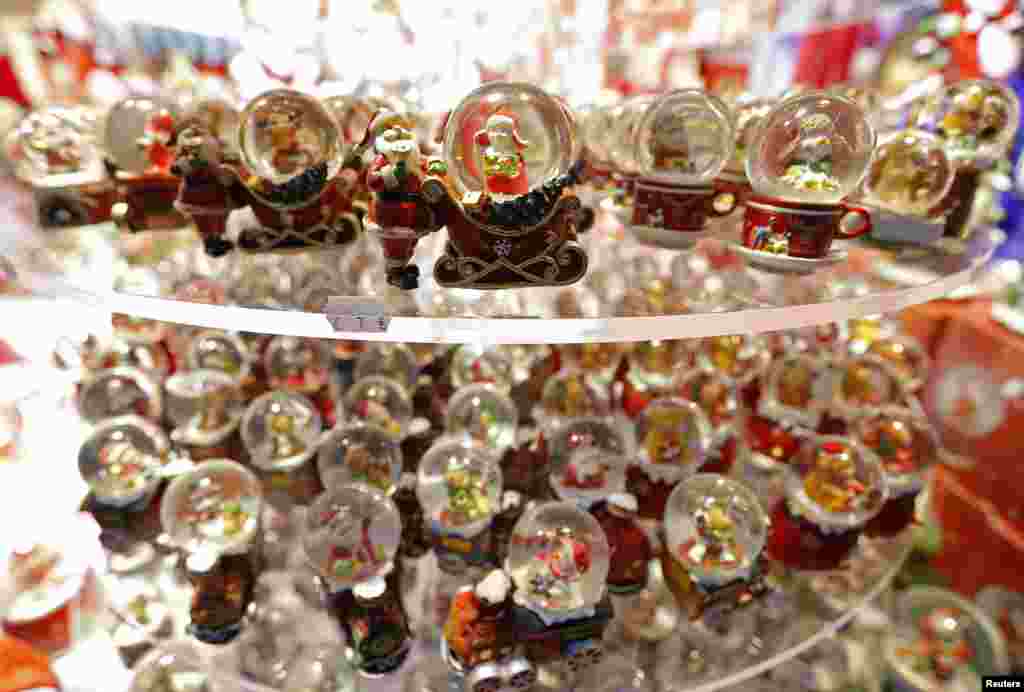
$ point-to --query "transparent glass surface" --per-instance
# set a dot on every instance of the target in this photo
(122, 459)
(747, 115)
(486, 415)
(84, 263)
(281, 431)
(137, 130)
(811, 149)
(588, 476)
(627, 117)
(977, 118)
(360, 453)
(909, 174)
(685, 137)
(382, 402)
(459, 486)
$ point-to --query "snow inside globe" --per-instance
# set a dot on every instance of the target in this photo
(292, 144)
(459, 487)
(685, 138)
(121, 461)
(382, 402)
(281, 430)
(213, 509)
(811, 149)
(977, 120)
(487, 416)
(138, 134)
(507, 138)
(910, 173)
(558, 560)
(352, 534)
(588, 476)
(118, 392)
(360, 453)
(716, 529)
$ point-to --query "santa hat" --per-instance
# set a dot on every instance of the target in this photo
(500, 121)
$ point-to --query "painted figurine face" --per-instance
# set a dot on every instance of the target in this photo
(285, 133)
(352, 534)
(977, 119)
(909, 174)
(813, 148)
(360, 453)
(558, 559)
(686, 138)
(459, 486)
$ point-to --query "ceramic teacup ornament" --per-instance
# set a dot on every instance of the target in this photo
(806, 157)
(684, 140)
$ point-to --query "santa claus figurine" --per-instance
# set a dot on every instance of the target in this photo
(157, 141)
(501, 150)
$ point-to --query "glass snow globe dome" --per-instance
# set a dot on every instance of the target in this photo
(622, 141)
(910, 173)
(685, 138)
(977, 119)
(487, 416)
(360, 453)
(459, 486)
(121, 460)
(351, 535)
(558, 560)
(382, 402)
(281, 430)
(811, 149)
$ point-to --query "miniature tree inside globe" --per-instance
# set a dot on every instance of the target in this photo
(684, 138)
(588, 476)
(558, 560)
(382, 402)
(811, 149)
(352, 534)
(281, 431)
(459, 487)
(977, 119)
(507, 138)
(489, 417)
(360, 453)
(121, 461)
(213, 509)
(716, 529)
(910, 173)
(138, 135)
(286, 134)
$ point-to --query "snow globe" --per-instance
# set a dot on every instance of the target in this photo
(281, 431)
(907, 447)
(478, 365)
(122, 463)
(907, 186)
(588, 476)
(795, 391)
(714, 392)
(739, 357)
(862, 385)
(683, 142)
(212, 512)
(214, 350)
(577, 434)
(486, 415)
(298, 365)
(119, 391)
(834, 487)
(360, 453)
(808, 154)
(394, 361)
(205, 407)
(906, 357)
(351, 537)
(747, 115)
(137, 141)
(570, 395)
(652, 365)
(459, 487)
(939, 640)
(716, 530)
(622, 149)
(381, 402)
(673, 436)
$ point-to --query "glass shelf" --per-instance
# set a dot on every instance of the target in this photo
(166, 277)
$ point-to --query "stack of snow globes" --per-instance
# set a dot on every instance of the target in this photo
(710, 470)
(809, 168)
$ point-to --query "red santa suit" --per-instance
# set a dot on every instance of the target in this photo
(501, 149)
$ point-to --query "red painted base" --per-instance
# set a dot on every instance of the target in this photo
(799, 544)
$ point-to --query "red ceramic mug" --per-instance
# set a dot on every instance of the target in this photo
(679, 208)
(808, 228)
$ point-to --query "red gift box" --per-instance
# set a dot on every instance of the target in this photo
(980, 546)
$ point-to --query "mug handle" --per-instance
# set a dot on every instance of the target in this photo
(858, 231)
